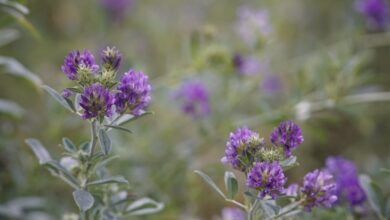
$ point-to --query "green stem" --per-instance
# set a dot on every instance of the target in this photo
(93, 138)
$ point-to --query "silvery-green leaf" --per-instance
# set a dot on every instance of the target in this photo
(68, 145)
(112, 179)
(385, 171)
(129, 118)
(118, 128)
(104, 162)
(144, 206)
(13, 67)
(15, 6)
(374, 194)
(231, 184)
(83, 199)
(289, 163)
(211, 183)
(58, 170)
(58, 98)
(69, 163)
(85, 147)
(105, 214)
(270, 207)
(39, 150)
(105, 142)
(11, 108)
(7, 36)
(77, 103)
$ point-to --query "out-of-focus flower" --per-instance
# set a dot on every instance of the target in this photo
(287, 134)
(76, 62)
(271, 84)
(247, 65)
(347, 183)
(194, 99)
(117, 9)
(252, 25)
(240, 147)
(66, 93)
(97, 102)
(232, 214)
(134, 93)
(319, 190)
(292, 190)
(376, 13)
(111, 58)
(268, 178)
(303, 110)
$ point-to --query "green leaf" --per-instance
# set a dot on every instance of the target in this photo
(105, 142)
(68, 145)
(144, 206)
(83, 199)
(13, 67)
(77, 103)
(75, 89)
(105, 161)
(231, 184)
(15, 6)
(118, 128)
(11, 108)
(58, 170)
(58, 98)
(374, 194)
(113, 179)
(85, 147)
(289, 163)
(211, 183)
(385, 171)
(129, 118)
(39, 150)
(270, 207)
(7, 36)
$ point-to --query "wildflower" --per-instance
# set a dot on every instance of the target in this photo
(376, 13)
(134, 93)
(111, 58)
(194, 98)
(232, 214)
(319, 190)
(96, 102)
(268, 178)
(247, 66)
(271, 84)
(77, 62)
(288, 135)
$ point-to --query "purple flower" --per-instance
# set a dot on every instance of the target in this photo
(76, 61)
(319, 190)
(194, 98)
(247, 66)
(232, 214)
(376, 13)
(347, 181)
(268, 178)
(292, 190)
(96, 102)
(134, 93)
(271, 84)
(117, 9)
(288, 135)
(241, 146)
(111, 58)
(252, 25)
(66, 93)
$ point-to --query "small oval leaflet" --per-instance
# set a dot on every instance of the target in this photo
(231, 184)
(83, 199)
(105, 142)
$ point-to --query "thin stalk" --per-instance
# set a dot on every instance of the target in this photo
(93, 138)
(286, 212)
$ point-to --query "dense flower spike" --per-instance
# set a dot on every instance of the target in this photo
(241, 147)
(76, 62)
(97, 102)
(252, 25)
(292, 190)
(319, 190)
(134, 93)
(376, 13)
(347, 182)
(111, 58)
(232, 214)
(268, 178)
(194, 98)
(288, 135)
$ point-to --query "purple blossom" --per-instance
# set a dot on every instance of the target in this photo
(194, 98)
(268, 178)
(247, 66)
(76, 61)
(117, 9)
(376, 13)
(134, 93)
(252, 24)
(292, 190)
(97, 102)
(347, 181)
(232, 214)
(111, 58)
(241, 144)
(271, 84)
(319, 190)
(66, 93)
(288, 135)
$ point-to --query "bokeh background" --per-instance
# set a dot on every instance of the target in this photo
(319, 63)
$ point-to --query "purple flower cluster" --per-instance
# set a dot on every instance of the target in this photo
(240, 145)
(319, 190)
(292, 190)
(194, 98)
(111, 58)
(232, 214)
(287, 134)
(134, 93)
(76, 61)
(376, 13)
(267, 177)
(96, 102)
(252, 25)
(347, 182)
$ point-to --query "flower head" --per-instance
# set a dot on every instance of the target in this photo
(232, 214)
(194, 98)
(319, 190)
(376, 13)
(76, 62)
(241, 147)
(96, 102)
(347, 182)
(111, 58)
(288, 135)
(134, 93)
(268, 178)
